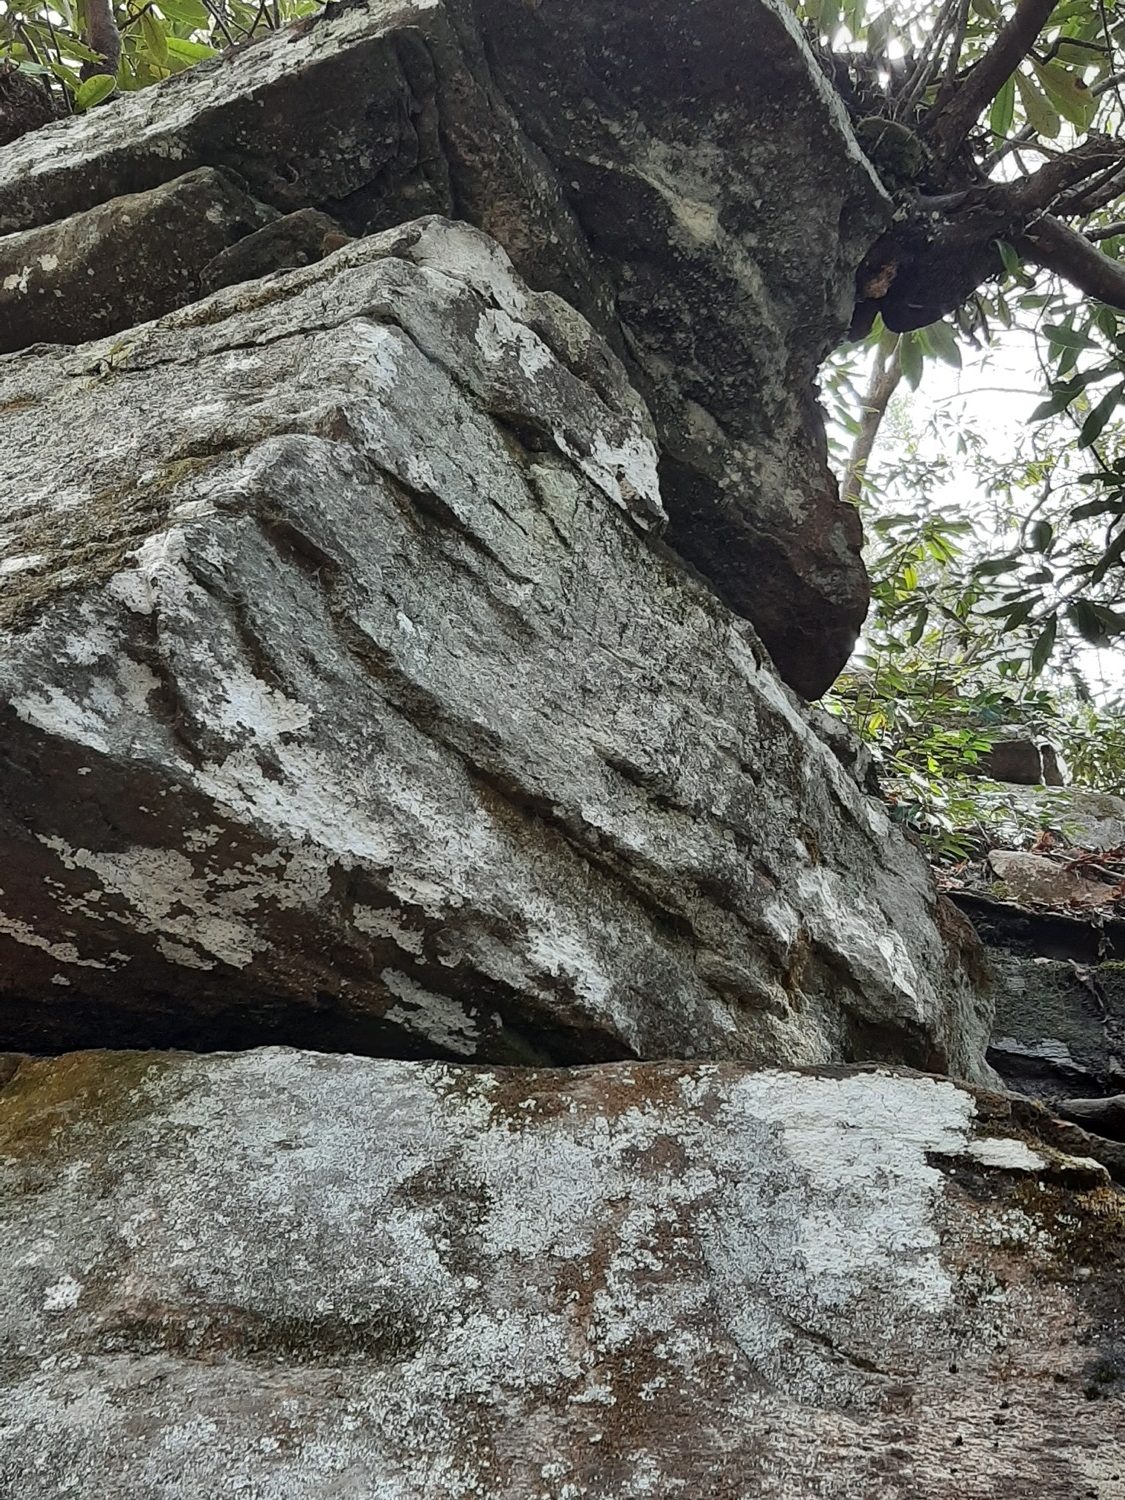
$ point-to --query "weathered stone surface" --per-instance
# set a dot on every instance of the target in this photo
(284, 1275)
(138, 256)
(25, 103)
(694, 188)
(1060, 1025)
(1055, 936)
(1106, 1116)
(725, 239)
(296, 239)
(1081, 817)
(1023, 761)
(349, 698)
(1058, 979)
(1035, 878)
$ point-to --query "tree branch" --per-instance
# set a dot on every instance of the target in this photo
(1097, 155)
(1098, 192)
(101, 36)
(948, 127)
(884, 382)
(1050, 243)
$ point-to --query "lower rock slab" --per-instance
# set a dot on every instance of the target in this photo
(287, 1275)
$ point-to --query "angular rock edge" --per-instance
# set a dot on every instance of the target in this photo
(386, 724)
(693, 188)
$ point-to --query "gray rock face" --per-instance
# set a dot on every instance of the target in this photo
(285, 1275)
(68, 281)
(1059, 986)
(692, 188)
(1060, 1025)
(349, 698)
(1056, 946)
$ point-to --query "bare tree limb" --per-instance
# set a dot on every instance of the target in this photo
(1096, 193)
(102, 36)
(925, 67)
(948, 127)
(1050, 243)
(1096, 156)
(885, 378)
(1107, 231)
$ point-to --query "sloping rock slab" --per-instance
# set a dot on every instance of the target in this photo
(277, 1274)
(143, 252)
(348, 699)
(692, 187)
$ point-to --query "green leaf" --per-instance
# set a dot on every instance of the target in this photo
(1094, 508)
(1067, 93)
(1051, 408)
(66, 76)
(155, 38)
(1094, 424)
(1041, 114)
(918, 629)
(1068, 338)
(1012, 261)
(187, 12)
(1041, 651)
(189, 51)
(911, 355)
(944, 343)
(1084, 617)
(70, 46)
(1041, 535)
(93, 90)
(1003, 109)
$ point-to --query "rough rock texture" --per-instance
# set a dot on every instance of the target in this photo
(347, 697)
(694, 188)
(1032, 879)
(25, 103)
(1059, 985)
(730, 246)
(283, 1275)
(1023, 761)
(69, 281)
(1055, 937)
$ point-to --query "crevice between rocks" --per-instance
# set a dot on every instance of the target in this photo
(318, 1023)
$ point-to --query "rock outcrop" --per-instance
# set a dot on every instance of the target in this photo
(334, 605)
(379, 674)
(693, 188)
(280, 1274)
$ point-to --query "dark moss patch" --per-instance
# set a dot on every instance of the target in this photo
(91, 541)
(95, 1093)
(228, 1332)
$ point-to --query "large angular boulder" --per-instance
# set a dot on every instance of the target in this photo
(349, 698)
(694, 188)
(302, 1276)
